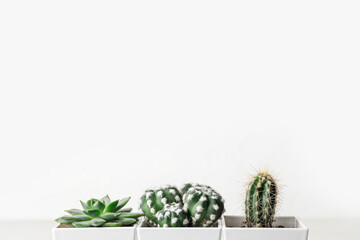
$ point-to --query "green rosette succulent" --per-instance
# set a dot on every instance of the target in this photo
(101, 213)
(154, 200)
(204, 205)
(261, 200)
(173, 215)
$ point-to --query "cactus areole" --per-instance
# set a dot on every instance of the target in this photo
(261, 199)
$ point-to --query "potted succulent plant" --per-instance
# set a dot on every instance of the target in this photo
(192, 213)
(259, 222)
(100, 219)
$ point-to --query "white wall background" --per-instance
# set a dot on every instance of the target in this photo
(113, 97)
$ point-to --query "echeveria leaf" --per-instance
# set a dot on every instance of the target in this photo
(120, 222)
(96, 222)
(111, 224)
(91, 202)
(106, 200)
(75, 212)
(92, 213)
(112, 206)
(125, 210)
(84, 205)
(77, 218)
(125, 221)
(64, 221)
(122, 203)
(130, 215)
(109, 216)
(82, 224)
(99, 206)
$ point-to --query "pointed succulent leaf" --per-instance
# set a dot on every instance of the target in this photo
(112, 206)
(83, 205)
(125, 210)
(112, 224)
(106, 200)
(92, 212)
(120, 222)
(130, 215)
(75, 212)
(99, 205)
(91, 202)
(122, 203)
(96, 222)
(61, 220)
(109, 216)
(125, 221)
(77, 218)
(82, 224)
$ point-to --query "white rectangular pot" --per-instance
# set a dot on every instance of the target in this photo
(178, 233)
(292, 229)
(94, 233)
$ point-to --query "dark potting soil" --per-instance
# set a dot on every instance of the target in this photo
(65, 226)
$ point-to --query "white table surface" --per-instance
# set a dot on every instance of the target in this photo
(320, 229)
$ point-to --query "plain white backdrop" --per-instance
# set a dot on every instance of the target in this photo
(114, 97)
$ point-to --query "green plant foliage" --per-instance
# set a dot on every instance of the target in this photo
(101, 213)
(261, 200)
(205, 206)
(173, 215)
(154, 200)
(197, 205)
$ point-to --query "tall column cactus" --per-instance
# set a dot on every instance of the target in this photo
(261, 199)
(154, 200)
(204, 204)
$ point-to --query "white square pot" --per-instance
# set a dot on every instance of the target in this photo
(293, 229)
(94, 233)
(178, 233)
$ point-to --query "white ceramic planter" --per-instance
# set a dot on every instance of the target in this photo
(188, 233)
(96, 233)
(293, 229)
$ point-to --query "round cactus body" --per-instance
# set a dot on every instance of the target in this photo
(204, 205)
(261, 200)
(187, 186)
(154, 200)
(173, 215)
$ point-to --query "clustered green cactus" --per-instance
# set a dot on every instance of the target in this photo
(197, 205)
(204, 204)
(173, 215)
(261, 199)
(154, 200)
(101, 213)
